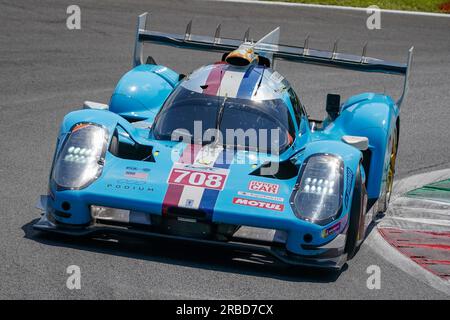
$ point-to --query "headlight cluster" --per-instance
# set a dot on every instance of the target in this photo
(318, 195)
(81, 158)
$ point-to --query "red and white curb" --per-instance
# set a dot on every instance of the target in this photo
(414, 235)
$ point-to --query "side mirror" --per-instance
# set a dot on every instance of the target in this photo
(95, 105)
(361, 143)
(333, 105)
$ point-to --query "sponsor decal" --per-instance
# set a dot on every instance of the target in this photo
(180, 175)
(331, 230)
(258, 204)
(194, 185)
(197, 167)
(161, 70)
(348, 186)
(137, 169)
(263, 187)
(260, 196)
(205, 160)
(129, 187)
(189, 203)
(136, 175)
(276, 77)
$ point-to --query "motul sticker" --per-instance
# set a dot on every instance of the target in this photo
(263, 187)
(258, 204)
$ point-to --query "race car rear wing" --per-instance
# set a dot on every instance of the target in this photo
(273, 50)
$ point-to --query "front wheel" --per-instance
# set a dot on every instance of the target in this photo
(356, 229)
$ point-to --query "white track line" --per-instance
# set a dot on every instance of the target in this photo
(377, 243)
(332, 7)
(435, 222)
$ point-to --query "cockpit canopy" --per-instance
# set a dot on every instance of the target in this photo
(240, 107)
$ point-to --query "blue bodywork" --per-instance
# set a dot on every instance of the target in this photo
(135, 103)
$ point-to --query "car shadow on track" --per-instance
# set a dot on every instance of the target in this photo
(186, 254)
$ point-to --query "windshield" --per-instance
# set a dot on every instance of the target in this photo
(264, 126)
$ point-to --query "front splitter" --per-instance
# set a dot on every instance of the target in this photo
(276, 250)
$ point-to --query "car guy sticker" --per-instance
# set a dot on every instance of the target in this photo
(263, 187)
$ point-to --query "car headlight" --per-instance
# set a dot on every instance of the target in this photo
(317, 196)
(81, 158)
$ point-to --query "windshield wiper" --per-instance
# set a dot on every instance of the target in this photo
(260, 81)
(220, 113)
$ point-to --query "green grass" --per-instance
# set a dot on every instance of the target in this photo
(412, 5)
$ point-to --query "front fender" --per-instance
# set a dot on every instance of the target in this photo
(141, 92)
(373, 116)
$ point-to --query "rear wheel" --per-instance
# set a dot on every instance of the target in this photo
(388, 185)
(355, 232)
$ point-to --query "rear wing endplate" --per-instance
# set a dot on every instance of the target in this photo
(302, 54)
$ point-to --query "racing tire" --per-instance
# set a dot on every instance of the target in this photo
(355, 231)
(385, 198)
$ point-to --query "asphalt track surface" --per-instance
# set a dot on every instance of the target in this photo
(47, 70)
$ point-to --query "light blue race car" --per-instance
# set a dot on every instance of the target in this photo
(227, 155)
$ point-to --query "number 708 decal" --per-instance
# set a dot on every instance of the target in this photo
(187, 177)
